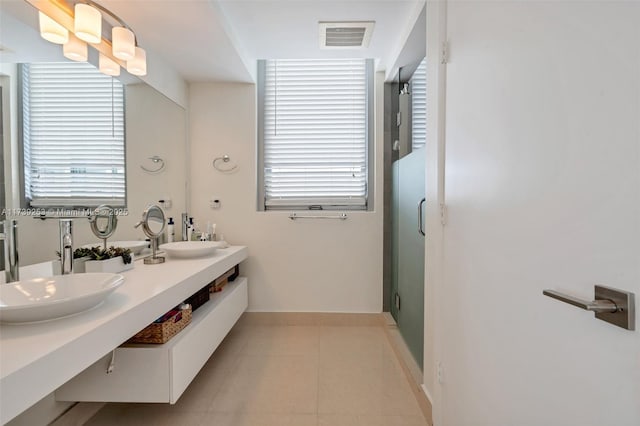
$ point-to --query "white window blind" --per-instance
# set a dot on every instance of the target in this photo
(73, 135)
(418, 84)
(315, 137)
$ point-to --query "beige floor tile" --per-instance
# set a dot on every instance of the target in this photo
(285, 340)
(337, 420)
(198, 397)
(270, 384)
(226, 355)
(145, 414)
(259, 419)
(349, 391)
(391, 421)
(349, 348)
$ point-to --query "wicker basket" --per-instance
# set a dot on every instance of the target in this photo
(199, 298)
(164, 331)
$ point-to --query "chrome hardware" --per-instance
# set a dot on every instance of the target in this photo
(611, 305)
(112, 363)
(11, 259)
(158, 165)
(341, 216)
(225, 160)
(66, 246)
(420, 221)
(185, 226)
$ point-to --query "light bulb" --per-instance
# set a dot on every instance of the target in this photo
(123, 43)
(88, 23)
(138, 64)
(108, 66)
(75, 49)
(51, 31)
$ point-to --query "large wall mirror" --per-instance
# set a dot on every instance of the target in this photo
(155, 145)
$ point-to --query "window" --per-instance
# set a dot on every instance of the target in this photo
(314, 133)
(72, 135)
(418, 84)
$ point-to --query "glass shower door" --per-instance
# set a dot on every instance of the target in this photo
(408, 250)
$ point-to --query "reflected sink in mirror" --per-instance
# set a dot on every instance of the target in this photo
(47, 298)
(190, 249)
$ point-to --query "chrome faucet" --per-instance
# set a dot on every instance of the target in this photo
(185, 225)
(11, 261)
(66, 246)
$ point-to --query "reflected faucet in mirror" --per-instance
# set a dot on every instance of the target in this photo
(66, 246)
(9, 235)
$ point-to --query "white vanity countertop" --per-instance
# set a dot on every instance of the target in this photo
(35, 359)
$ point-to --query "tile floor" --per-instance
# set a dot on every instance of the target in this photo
(288, 376)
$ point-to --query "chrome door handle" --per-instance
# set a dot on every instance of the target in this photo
(595, 306)
(614, 306)
(420, 224)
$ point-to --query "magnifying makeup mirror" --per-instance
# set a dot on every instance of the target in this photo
(153, 223)
(103, 222)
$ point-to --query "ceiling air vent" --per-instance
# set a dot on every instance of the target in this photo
(337, 35)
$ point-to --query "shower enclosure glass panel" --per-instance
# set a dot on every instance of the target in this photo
(407, 287)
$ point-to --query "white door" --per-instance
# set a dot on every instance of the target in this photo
(543, 191)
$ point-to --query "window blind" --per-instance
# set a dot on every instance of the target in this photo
(315, 127)
(418, 84)
(73, 135)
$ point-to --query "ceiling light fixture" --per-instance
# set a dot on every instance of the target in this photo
(75, 49)
(73, 26)
(108, 66)
(87, 23)
(138, 64)
(51, 31)
(124, 43)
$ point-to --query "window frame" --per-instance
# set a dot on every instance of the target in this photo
(369, 146)
(67, 203)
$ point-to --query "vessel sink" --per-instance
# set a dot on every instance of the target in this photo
(189, 249)
(47, 298)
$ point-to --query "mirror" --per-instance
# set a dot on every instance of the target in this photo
(153, 224)
(155, 126)
(103, 222)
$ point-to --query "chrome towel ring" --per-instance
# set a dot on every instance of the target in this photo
(159, 165)
(220, 167)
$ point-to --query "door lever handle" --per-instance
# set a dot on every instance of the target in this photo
(595, 306)
(614, 306)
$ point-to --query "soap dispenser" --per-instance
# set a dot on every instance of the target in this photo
(171, 231)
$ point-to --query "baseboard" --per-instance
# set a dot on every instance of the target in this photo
(311, 319)
(427, 394)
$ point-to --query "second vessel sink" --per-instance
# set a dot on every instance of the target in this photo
(40, 299)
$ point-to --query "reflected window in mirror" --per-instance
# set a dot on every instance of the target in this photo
(418, 84)
(73, 136)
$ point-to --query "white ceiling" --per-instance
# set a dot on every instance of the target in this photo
(220, 40)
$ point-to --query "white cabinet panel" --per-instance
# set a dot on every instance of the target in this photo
(161, 373)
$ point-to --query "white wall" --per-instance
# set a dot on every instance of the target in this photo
(312, 265)
(543, 191)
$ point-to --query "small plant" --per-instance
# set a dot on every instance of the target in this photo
(98, 253)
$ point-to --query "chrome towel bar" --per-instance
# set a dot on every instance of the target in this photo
(341, 216)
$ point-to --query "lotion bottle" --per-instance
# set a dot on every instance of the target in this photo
(170, 231)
